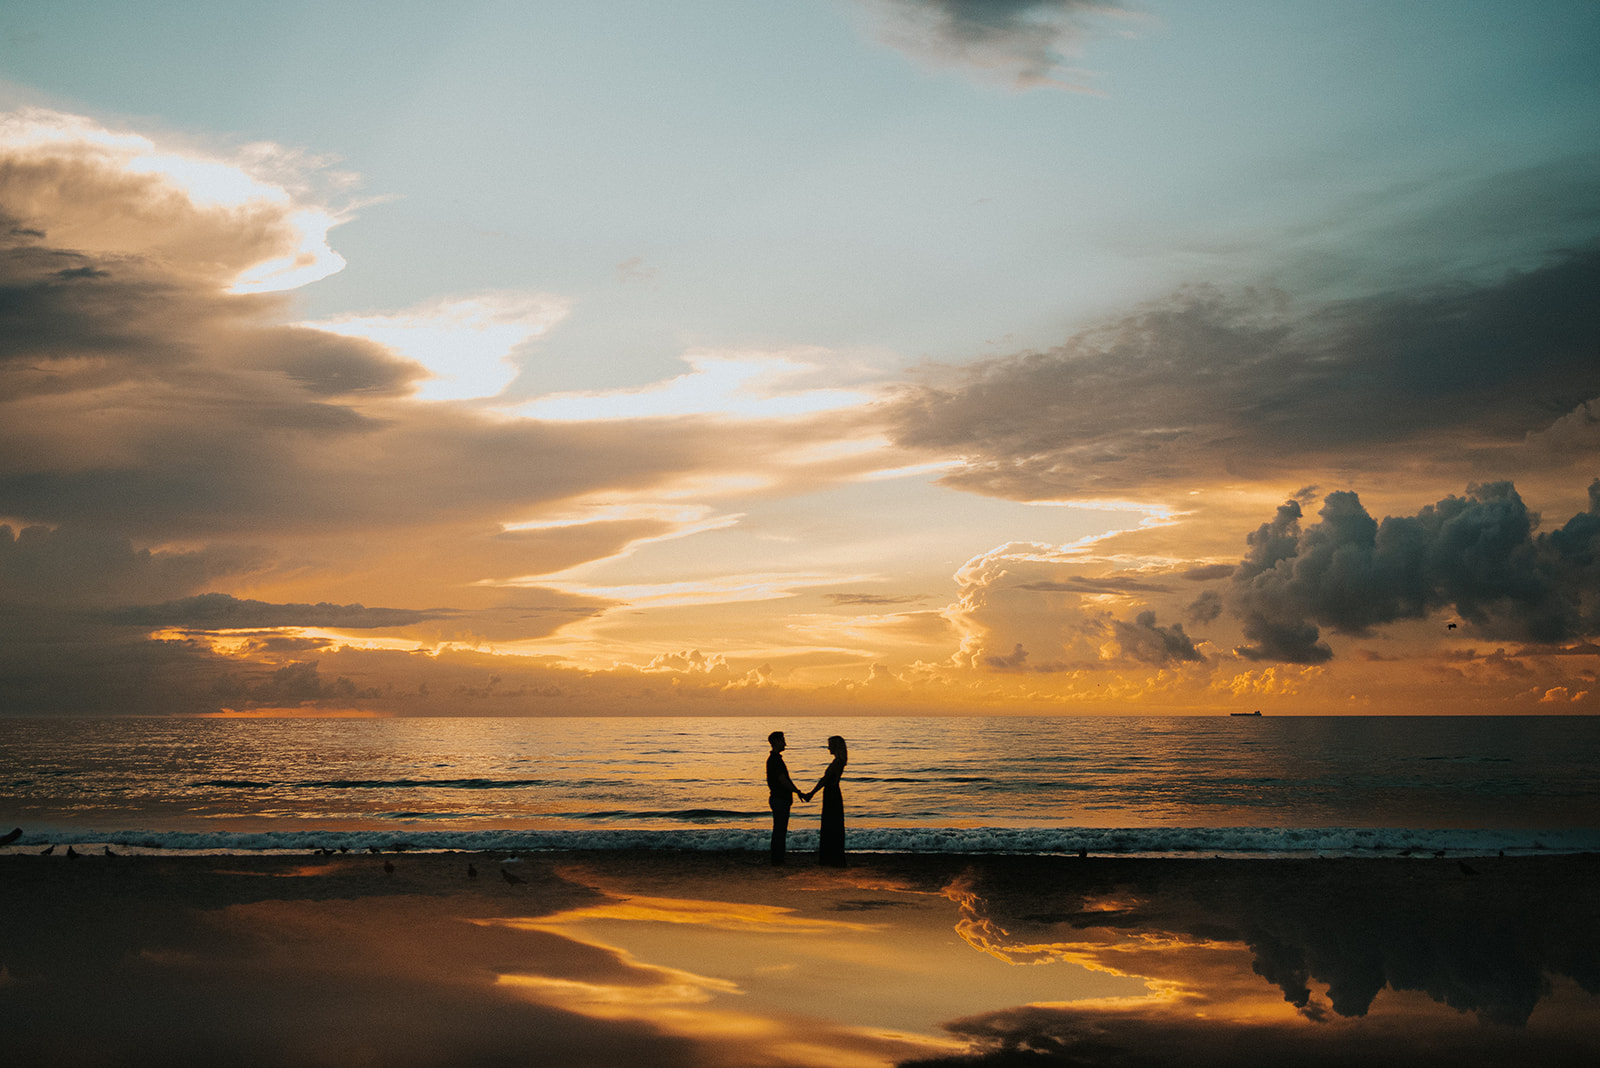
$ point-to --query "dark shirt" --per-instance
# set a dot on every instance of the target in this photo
(779, 785)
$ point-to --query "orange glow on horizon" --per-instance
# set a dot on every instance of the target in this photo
(294, 713)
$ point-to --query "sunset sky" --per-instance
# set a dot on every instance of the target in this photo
(878, 356)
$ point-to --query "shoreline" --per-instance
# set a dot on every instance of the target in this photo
(1156, 842)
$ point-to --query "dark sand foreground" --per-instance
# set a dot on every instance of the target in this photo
(645, 958)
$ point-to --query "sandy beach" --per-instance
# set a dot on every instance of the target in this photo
(664, 958)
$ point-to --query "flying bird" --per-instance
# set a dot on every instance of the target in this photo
(1449, 626)
(511, 880)
(7, 839)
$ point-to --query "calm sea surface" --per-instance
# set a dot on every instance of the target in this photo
(1142, 785)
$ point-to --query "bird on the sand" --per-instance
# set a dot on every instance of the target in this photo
(47, 850)
(472, 871)
(72, 854)
(11, 836)
(511, 880)
(109, 853)
(1466, 869)
(388, 867)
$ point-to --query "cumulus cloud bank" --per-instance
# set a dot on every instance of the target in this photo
(1479, 555)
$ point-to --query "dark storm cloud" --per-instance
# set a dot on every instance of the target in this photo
(1143, 640)
(1023, 42)
(1206, 607)
(1209, 572)
(1480, 555)
(54, 663)
(72, 566)
(219, 611)
(1206, 383)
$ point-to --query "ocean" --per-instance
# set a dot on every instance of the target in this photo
(1231, 786)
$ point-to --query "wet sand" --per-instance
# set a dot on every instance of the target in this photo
(656, 958)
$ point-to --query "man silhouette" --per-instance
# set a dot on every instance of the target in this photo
(781, 792)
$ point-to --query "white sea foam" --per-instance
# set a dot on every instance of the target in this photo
(1126, 841)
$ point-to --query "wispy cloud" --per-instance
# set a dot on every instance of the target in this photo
(1023, 44)
(465, 344)
(219, 611)
(757, 385)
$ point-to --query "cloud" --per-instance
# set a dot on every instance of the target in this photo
(117, 194)
(178, 453)
(1019, 613)
(1023, 44)
(741, 385)
(465, 344)
(219, 611)
(1209, 572)
(1479, 555)
(78, 567)
(1240, 385)
(1148, 643)
(139, 394)
(292, 684)
(1015, 660)
(1095, 585)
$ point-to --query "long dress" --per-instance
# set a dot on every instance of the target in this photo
(830, 844)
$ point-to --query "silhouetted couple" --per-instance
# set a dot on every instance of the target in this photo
(781, 792)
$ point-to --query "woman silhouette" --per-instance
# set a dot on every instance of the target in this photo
(830, 846)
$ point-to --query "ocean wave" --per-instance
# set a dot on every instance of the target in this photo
(379, 784)
(1126, 841)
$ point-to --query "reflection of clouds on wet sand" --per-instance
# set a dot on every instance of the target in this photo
(712, 1010)
(1362, 960)
(666, 959)
(849, 965)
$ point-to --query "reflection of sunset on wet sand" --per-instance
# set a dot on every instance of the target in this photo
(619, 958)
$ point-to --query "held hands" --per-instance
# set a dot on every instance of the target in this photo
(806, 796)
